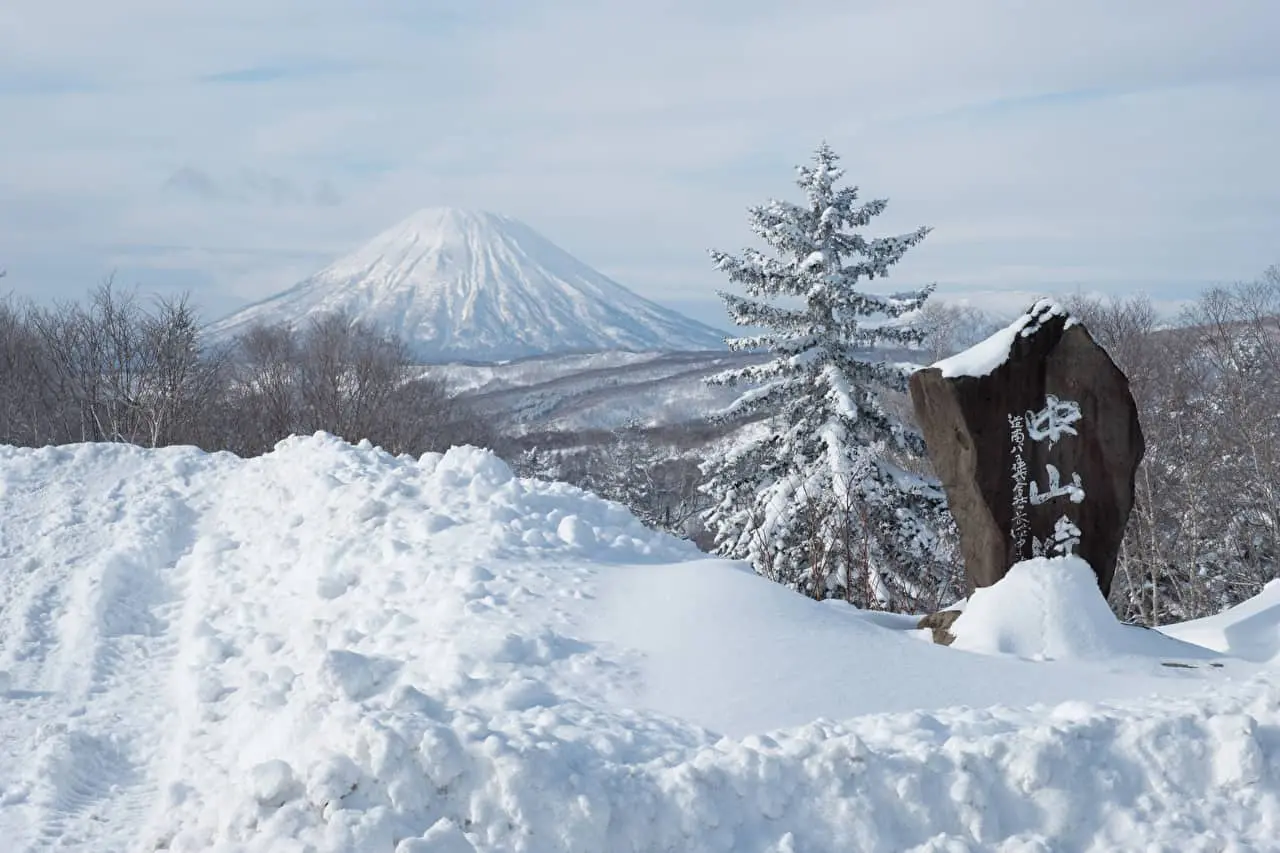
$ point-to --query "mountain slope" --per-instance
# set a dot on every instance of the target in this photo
(666, 388)
(608, 390)
(467, 285)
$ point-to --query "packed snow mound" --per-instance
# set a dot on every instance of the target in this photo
(477, 286)
(210, 653)
(1250, 630)
(1050, 608)
(329, 648)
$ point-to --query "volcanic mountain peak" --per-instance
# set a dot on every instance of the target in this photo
(473, 285)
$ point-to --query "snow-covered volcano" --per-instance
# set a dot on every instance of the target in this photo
(470, 285)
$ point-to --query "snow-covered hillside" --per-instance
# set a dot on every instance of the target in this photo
(470, 377)
(657, 390)
(329, 648)
(605, 390)
(470, 285)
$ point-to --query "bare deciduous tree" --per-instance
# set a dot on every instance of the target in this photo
(1203, 533)
(345, 378)
(112, 370)
(950, 327)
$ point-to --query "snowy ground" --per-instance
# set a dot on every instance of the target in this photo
(329, 648)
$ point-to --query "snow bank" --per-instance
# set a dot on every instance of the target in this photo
(719, 647)
(1250, 630)
(332, 649)
(1050, 608)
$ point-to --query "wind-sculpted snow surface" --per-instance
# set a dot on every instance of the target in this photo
(1250, 630)
(329, 648)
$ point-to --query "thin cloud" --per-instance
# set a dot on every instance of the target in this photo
(274, 73)
(1114, 146)
(250, 186)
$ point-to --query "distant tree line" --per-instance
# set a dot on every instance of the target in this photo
(112, 369)
(654, 471)
(1204, 533)
(1205, 530)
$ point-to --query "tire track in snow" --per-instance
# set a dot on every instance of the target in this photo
(85, 772)
(104, 695)
(135, 654)
(35, 582)
(33, 593)
(39, 626)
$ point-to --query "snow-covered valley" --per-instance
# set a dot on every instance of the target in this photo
(606, 390)
(602, 391)
(330, 648)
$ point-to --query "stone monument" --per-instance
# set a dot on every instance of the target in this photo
(1035, 436)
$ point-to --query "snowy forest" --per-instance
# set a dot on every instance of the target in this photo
(1204, 534)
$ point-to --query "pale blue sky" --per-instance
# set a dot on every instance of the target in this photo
(233, 147)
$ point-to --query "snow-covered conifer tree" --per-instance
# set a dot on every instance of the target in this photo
(820, 502)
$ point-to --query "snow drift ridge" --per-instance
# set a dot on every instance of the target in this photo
(329, 648)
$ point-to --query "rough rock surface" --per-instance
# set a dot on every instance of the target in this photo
(1034, 434)
(939, 624)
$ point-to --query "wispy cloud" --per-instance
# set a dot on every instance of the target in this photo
(272, 73)
(1054, 145)
(250, 186)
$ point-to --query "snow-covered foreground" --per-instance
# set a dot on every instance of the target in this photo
(329, 648)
